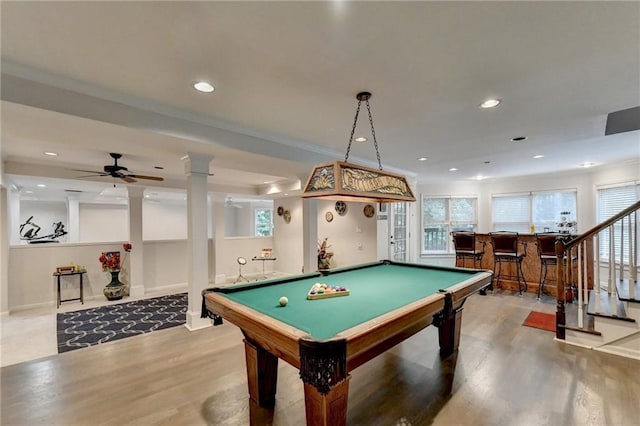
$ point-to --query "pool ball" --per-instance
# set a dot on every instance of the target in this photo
(283, 301)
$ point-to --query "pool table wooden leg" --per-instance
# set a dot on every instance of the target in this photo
(329, 409)
(449, 332)
(262, 375)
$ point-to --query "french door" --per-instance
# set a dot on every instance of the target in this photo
(398, 232)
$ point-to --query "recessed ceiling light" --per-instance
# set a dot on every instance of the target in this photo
(203, 86)
(490, 103)
(51, 154)
(587, 165)
(361, 139)
(41, 185)
(538, 156)
(286, 193)
(518, 139)
(28, 192)
(423, 158)
(184, 157)
(479, 177)
(453, 169)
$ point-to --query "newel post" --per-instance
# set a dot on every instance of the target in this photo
(560, 314)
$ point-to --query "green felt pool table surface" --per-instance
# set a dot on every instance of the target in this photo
(375, 289)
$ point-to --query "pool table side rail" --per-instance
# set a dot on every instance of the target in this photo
(474, 284)
(275, 336)
(371, 338)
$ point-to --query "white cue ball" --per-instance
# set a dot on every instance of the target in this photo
(283, 301)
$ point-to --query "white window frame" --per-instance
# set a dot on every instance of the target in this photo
(525, 226)
(603, 240)
(448, 224)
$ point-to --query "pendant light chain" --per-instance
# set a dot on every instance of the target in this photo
(364, 96)
(353, 130)
(373, 133)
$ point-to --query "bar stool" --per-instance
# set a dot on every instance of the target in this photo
(546, 243)
(505, 250)
(464, 244)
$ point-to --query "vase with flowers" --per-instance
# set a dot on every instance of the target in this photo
(110, 262)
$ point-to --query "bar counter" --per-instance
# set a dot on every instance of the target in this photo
(531, 265)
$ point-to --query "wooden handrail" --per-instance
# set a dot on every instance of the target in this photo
(596, 229)
(565, 246)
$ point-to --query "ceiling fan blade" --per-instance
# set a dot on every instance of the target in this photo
(91, 171)
(127, 179)
(88, 176)
(147, 177)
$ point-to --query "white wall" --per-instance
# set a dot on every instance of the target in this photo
(165, 264)
(287, 241)
(352, 237)
(164, 221)
(247, 247)
(104, 222)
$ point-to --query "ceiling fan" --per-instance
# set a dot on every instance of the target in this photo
(117, 171)
(229, 203)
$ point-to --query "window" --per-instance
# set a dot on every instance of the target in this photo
(263, 222)
(611, 201)
(544, 210)
(441, 216)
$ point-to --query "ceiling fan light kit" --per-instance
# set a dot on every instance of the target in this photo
(341, 180)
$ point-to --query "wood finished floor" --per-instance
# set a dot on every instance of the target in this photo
(503, 374)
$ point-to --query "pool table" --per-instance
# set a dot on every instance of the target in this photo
(328, 338)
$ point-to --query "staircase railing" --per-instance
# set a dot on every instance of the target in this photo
(578, 263)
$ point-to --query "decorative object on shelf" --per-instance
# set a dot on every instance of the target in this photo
(324, 256)
(65, 269)
(369, 210)
(341, 180)
(280, 210)
(567, 226)
(341, 208)
(110, 261)
(266, 252)
(328, 216)
(29, 231)
(287, 216)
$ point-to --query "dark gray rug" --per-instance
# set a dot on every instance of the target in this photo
(81, 329)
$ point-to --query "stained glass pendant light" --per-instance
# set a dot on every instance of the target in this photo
(341, 180)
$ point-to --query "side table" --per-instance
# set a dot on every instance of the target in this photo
(61, 274)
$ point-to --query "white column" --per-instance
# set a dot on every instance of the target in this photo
(197, 171)
(13, 209)
(136, 255)
(310, 234)
(73, 219)
(4, 250)
(218, 236)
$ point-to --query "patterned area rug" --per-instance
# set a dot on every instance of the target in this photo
(541, 320)
(81, 329)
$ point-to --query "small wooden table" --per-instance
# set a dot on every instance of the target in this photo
(263, 259)
(60, 274)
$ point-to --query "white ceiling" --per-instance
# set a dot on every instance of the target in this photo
(87, 78)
